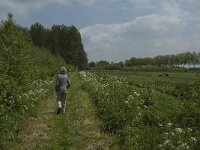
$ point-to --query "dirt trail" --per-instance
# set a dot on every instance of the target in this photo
(78, 128)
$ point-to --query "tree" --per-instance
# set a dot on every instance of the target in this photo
(62, 41)
(10, 16)
(91, 64)
(38, 34)
(102, 63)
(15, 73)
(195, 59)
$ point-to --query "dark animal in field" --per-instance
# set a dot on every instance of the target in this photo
(163, 74)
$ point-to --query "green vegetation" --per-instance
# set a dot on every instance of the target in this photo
(170, 63)
(25, 74)
(62, 41)
(183, 86)
(186, 58)
(144, 110)
(145, 115)
(78, 128)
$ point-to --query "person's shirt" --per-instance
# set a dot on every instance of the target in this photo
(62, 83)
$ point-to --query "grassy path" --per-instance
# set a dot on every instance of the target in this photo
(79, 128)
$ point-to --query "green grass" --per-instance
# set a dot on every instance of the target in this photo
(182, 85)
(143, 110)
(78, 128)
(148, 76)
(135, 126)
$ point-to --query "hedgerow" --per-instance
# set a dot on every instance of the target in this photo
(25, 73)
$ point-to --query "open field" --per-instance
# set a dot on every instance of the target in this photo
(146, 110)
(183, 86)
(117, 110)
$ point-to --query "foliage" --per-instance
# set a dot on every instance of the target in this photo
(105, 65)
(142, 118)
(14, 63)
(62, 41)
(44, 63)
(22, 66)
(150, 68)
(181, 59)
(177, 62)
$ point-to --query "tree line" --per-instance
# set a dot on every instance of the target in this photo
(61, 40)
(181, 59)
(189, 59)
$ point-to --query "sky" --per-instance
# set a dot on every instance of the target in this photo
(116, 30)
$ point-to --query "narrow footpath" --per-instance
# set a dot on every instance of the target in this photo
(78, 129)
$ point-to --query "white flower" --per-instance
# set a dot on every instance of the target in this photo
(179, 142)
(194, 139)
(189, 129)
(166, 142)
(160, 145)
(137, 94)
(166, 133)
(169, 124)
(179, 130)
(173, 133)
(183, 145)
(130, 97)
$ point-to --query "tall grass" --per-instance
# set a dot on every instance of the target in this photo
(141, 118)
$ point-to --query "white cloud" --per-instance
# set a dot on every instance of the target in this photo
(168, 31)
(22, 8)
(157, 27)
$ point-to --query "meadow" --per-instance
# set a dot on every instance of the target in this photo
(148, 110)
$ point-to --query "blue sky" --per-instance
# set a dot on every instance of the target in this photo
(116, 30)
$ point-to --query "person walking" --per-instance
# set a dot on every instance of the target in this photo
(61, 87)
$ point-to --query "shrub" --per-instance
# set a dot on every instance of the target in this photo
(142, 118)
(23, 69)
